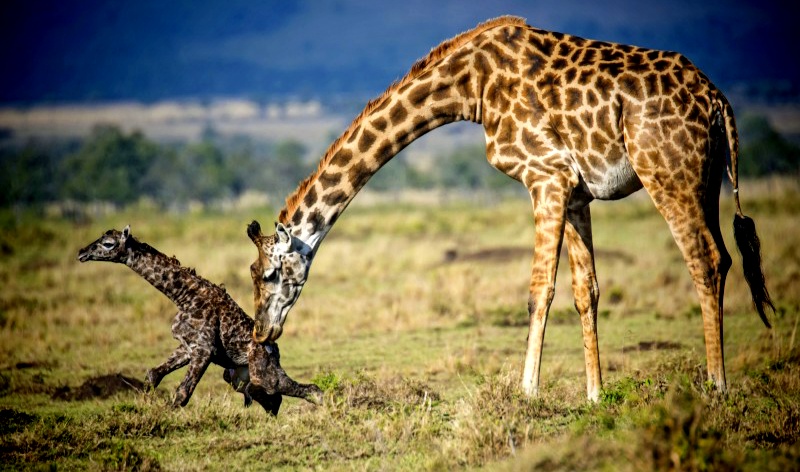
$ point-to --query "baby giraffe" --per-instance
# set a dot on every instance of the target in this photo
(210, 326)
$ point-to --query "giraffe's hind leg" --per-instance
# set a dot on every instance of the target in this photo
(201, 344)
(578, 237)
(179, 358)
(692, 213)
(201, 358)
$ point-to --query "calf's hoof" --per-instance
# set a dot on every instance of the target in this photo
(151, 380)
(314, 395)
(181, 399)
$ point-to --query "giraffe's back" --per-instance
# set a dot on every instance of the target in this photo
(616, 109)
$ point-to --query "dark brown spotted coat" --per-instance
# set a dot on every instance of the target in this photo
(209, 325)
(573, 120)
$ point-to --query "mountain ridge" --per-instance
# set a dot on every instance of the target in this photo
(151, 51)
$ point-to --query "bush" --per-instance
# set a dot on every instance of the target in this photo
(764, 151)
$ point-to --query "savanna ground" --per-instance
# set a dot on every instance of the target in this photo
(414, 323)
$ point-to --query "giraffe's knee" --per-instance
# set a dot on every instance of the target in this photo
(539, 300)
(594, 290)
(586, 296)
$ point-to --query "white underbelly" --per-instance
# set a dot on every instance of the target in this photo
(618, 181)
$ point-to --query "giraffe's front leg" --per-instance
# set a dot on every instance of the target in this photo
(266, 373)
(578, 236)
(178, 359)
(549, 210)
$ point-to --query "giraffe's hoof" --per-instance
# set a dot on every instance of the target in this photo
(151, 381)
(181, 399)
(314, 395)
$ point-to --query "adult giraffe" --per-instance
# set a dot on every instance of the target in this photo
(573, 120)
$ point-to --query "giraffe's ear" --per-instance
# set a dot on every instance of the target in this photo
(126, 232)
(254, 230)
(284, 237)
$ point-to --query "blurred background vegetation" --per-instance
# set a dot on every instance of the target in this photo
(113, 167)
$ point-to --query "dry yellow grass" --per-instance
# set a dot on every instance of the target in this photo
(414, 319)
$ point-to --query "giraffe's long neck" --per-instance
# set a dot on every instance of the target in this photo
(446, 86)
(179, 284)
(375, 141)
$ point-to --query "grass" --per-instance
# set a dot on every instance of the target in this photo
(413, 322)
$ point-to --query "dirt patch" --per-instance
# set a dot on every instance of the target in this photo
(494, 254)
(6, 249)
(508, 253)
(652, 346)
(613, 255)
(12, 420)
(30, 365)
(99, 387)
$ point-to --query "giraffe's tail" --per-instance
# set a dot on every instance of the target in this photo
(744, 228)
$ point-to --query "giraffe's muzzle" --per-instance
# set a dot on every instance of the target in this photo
(263, 333)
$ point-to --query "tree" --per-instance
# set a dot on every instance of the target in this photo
(286, 167)
(109, 166)
(28, 177)
(764, 151)
(165, 181)
(205, 172)
(467, 168)
(396, 174)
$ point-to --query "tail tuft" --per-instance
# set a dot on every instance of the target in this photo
(744, 231)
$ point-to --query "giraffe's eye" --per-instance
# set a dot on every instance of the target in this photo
(270, 275)
(108, 244)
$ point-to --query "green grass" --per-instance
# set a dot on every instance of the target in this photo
(418, 349)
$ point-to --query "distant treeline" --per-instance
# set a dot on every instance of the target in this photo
(121, 168)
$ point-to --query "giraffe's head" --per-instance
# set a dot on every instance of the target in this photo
(108, 247)
(279, 274)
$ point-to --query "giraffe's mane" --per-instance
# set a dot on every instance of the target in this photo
(438, 52)
(145, 248)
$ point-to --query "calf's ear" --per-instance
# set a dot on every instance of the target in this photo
(254, 231)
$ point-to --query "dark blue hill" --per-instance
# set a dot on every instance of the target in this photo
(149, 50)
